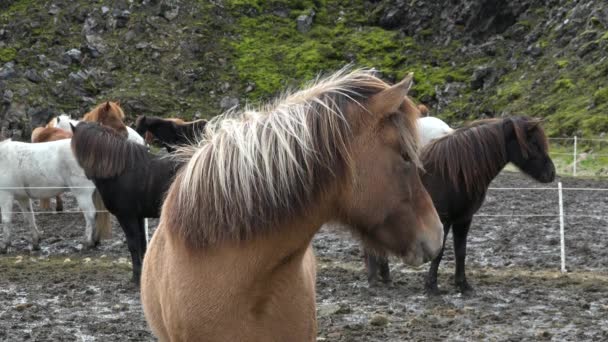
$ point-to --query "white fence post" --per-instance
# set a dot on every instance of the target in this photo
(574, 162)
(146, 231)
(562, 241)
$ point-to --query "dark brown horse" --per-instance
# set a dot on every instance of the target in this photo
(171, 132)
(131, 181)
(459, 168)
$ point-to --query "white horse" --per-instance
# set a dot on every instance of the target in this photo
(63, 122)
(44, 170)
(432, 128)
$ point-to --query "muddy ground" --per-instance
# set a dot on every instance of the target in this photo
(65, 293)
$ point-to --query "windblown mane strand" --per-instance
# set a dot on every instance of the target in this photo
(104, 153)
(250, 170)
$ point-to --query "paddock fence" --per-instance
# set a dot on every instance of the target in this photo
(26, 188)
(581, 151)
(559, 213)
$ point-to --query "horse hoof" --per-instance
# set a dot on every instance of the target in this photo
(89, 245)
(432, 290)
(466, 289)
(387, 281)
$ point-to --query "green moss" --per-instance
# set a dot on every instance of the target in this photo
(562, 63)
(7, 54)
(562, 84)
(273, 54)
(600, 96)
(604, 36)
(511, 91)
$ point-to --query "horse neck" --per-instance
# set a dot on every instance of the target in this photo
(287, 239)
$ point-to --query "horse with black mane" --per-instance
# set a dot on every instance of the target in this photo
(459, 169)
(170, 132)
(132, 182)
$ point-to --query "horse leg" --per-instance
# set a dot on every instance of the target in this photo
(6, 205)
(133, 231)
(58, 203)
(143, 246)
(431, 280)
(26, 206)
(460, 250)
(376, 265)
(85, 203)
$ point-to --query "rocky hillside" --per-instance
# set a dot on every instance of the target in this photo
(471, 58)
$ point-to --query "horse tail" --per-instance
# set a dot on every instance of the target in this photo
(103, 223)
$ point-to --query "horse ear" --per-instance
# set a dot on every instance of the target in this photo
(73, 128)
(534, 124)
(389, 100)
(108, 106)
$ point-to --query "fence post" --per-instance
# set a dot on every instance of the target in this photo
(562, 241)
(574, 163)
(146, 231)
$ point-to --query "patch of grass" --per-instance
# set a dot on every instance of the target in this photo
(600, 96)
(562, 84)
(7, 54)
(562, 63)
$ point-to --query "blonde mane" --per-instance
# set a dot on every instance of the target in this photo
(250, 170)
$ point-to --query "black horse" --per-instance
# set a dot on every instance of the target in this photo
(169, 132)
(132, 182)
(459, 168)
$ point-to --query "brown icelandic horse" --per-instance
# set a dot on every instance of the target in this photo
(171, 133)
(424, 110)
(458, 171)
(142, 128)
(44, 134)
(108, 114)
(232, 260)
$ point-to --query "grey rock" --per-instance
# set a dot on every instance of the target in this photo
(481, 75)
(122, 19)
(228, 102)
(169, 9)
(43, 60)
(89, 25)
(7, 72)
(96, 45)
(304, 22)
(7, 96)
(142, 45)
(78, 77)
(74, 55)
(32, 76)
(534, 50)
(53, 10)
(391, 18)
(130, 35)
(40, 116)
(105, 10)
